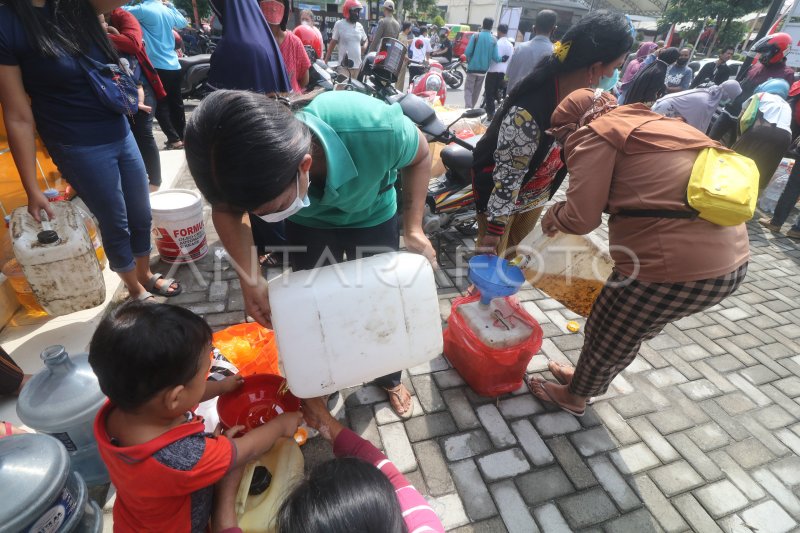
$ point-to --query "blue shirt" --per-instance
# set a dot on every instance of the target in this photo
(526, 56)
(64, 106)
(481, 51)
(157, 21)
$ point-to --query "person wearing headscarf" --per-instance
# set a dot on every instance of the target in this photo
(247, 57)
(769, 136)
(517, 166)
(650, 83)
(696, 107)
(633, 68)
(629, 158)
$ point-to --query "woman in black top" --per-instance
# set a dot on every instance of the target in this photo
(517, 165)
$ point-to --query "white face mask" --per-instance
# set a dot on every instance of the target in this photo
(296, 205)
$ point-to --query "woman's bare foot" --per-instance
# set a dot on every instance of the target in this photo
(317, 416)
(400, 400)
(558, 395)
(562, 373)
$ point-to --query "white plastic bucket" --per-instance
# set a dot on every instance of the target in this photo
(345, 324)
(178, 225)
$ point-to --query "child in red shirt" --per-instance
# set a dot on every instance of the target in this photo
(152, 361)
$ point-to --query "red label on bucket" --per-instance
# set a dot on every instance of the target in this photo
(181, 245)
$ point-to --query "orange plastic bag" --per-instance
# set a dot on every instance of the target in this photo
(489, 371)
(251, 347)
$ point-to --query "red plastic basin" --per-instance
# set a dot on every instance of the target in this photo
(261, 398)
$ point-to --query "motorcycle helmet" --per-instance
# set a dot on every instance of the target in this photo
(772, 48)
(350, 5)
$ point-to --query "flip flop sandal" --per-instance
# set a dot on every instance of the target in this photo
(8, 430)
(546, 397)
(556, 369)
(395, 391)
(174, 146)
(164, 290)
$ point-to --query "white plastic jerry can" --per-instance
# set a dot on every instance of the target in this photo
(58, 259)
(345, 324)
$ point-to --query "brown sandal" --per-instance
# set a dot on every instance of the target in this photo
(396, 401)
(535, 385)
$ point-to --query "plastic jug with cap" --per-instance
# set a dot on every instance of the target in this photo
(62, 400)
(58, 259)
(266, 483)
(344, 324)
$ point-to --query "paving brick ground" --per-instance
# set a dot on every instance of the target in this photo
(701, 433)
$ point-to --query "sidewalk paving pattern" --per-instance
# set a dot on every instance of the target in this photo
(700, 433)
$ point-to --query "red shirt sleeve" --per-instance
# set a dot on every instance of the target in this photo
(130, 39)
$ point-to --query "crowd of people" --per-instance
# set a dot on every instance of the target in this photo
(327, 170)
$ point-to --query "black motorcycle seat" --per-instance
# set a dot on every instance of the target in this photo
(188, 62)
(458, 159)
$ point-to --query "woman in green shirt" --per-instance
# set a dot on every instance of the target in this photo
(328, 170)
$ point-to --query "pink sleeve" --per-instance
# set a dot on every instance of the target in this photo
(417, 513)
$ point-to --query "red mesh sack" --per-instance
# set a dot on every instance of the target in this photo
(489, 371)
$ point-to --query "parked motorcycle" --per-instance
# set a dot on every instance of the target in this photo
(320, 75)
(451, 200)
(196, 42)
(453, 72)
(430, 85)
(194, 76)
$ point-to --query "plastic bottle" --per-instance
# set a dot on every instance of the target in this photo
(62, 400)
(13, 271)
(91, 227)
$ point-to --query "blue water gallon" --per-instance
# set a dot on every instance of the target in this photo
(62, 400)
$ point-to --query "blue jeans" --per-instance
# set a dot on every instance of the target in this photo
(112, 181)
(788, 199)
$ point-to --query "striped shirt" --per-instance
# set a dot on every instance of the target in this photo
(417, 513)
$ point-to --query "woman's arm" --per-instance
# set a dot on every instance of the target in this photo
(416, 177)
(20, 128)
(517, 141)
(591, 169)
(234, 231)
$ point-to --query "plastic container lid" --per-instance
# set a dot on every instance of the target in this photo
(172, 199)
(47, 236)
(33, 470)
(61, 395)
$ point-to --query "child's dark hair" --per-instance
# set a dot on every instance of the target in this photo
(341, 496)
(142, 349)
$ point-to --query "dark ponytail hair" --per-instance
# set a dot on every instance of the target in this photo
(243, 148)
(599, 36)
(342, 496)
(71, 30)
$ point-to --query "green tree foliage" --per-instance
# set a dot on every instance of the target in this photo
(423, 10)
(203, 8)
(719, 12)
(439, 21)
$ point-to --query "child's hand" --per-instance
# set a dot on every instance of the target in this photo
(146, 108)
(230, 383)
(289, 423)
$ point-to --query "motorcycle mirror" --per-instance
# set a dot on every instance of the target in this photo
(348, 62)
(473, 113)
